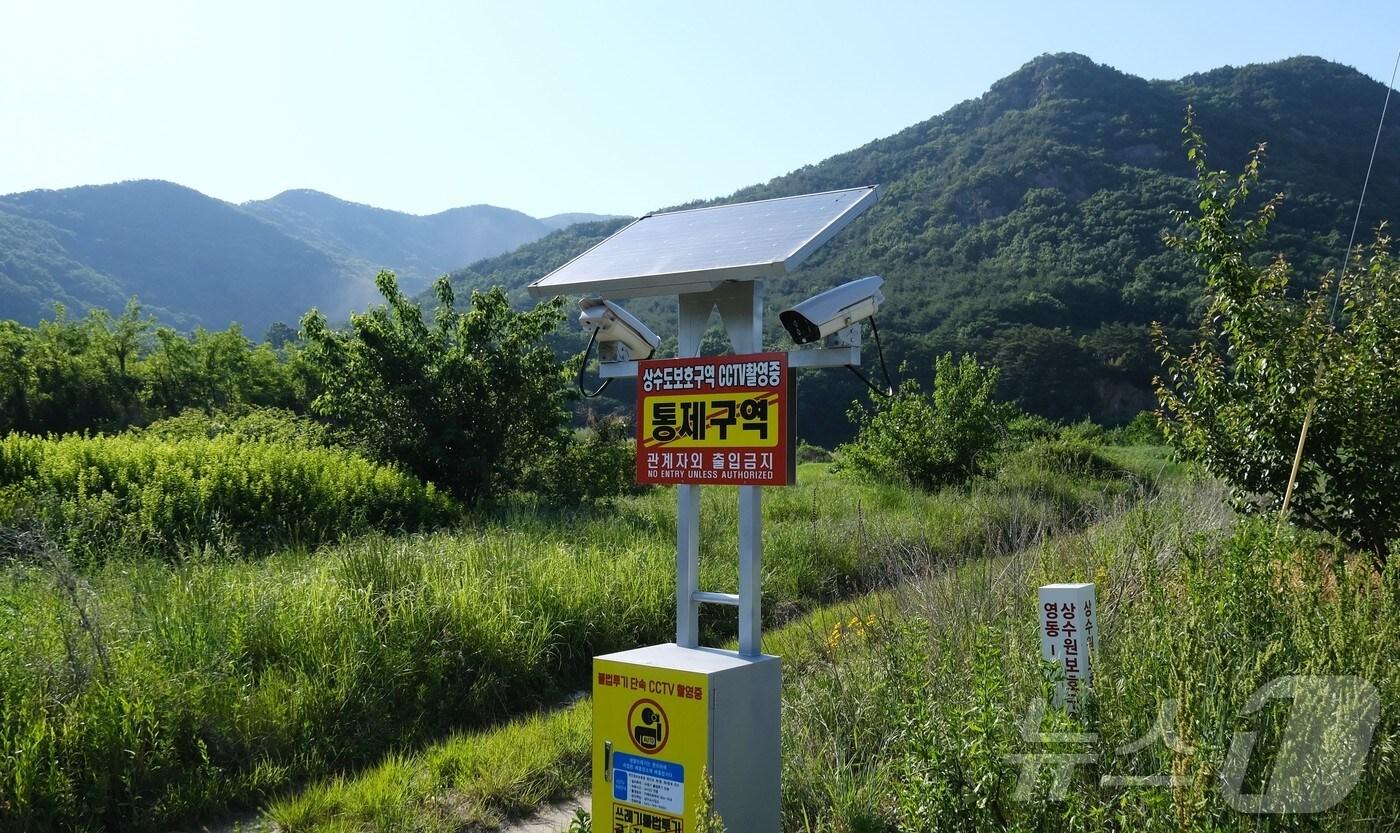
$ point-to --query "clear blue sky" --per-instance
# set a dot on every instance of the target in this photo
(568, 106)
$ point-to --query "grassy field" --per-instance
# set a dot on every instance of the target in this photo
(906, 709)
(153, 690)
(919, 722)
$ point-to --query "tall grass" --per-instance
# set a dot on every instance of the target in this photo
(481, 779)
(839, 701)
(906, 709)
(133, 493)
(140, 693)
(918, 720)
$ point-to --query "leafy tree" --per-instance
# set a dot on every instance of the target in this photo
(1266, 354)
(58, 377)
(14, 381)
(215, 370)
(279, 335)
(473, 401)
(101, 373)
(930, 439)
(122, 340)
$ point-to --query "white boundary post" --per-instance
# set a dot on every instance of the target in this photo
(1069, 633)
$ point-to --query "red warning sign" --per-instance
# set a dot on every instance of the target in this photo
(717, 420)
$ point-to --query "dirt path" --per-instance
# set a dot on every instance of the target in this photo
(246, 822)
(552, 818)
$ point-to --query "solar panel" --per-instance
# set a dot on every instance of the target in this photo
(698, 249)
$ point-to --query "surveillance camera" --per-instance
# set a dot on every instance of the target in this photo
(619, 334)
(833, 310)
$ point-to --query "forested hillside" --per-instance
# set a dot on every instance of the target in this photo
(193, 260)
(558, 221)
(418, 248)
(1025, 226)
(197, 260)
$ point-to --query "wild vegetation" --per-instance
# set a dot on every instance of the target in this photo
(137, 694)
(95, 496)
(100, 373)
(1269, 358)
(349, 579)
(927, 712)
(930, 439)
(915, 709)
(473, 401)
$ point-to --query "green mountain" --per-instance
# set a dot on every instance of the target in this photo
(197, 261)
(418, 248)
(1025, 225)
(558, 221)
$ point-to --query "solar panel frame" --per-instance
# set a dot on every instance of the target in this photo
(633, 284)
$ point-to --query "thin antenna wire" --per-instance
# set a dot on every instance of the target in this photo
(1336, 296)
(1357, 221)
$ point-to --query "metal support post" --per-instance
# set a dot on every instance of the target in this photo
(687, 566)
(741, 309)
(750, 570)
(694, 315)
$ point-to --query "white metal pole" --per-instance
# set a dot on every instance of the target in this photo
(687, 566)
(750, 570)
(694, 314)
(742, 312)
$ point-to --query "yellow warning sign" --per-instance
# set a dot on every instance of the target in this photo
(708, 421)
(651, 746)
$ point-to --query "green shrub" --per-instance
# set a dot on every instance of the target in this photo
(808, 453)
(930, 439)
(93, 493)
(1024, 428)
(1142, 430)
(472, 400)
(1085, 430)
(269, 425)
(597, 464)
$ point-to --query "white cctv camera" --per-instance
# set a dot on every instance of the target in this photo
(833, 310)
(619, 334)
